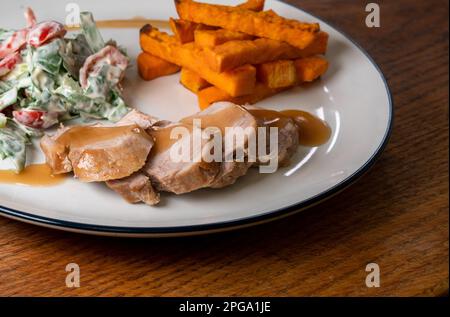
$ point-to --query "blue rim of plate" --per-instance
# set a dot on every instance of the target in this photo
(232, 224)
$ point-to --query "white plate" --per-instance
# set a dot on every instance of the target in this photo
(353, 97)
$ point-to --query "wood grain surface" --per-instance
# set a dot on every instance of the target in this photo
(396, 215)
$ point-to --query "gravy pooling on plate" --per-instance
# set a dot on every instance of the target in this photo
(136, 22)
(32, 175)
(313, 131)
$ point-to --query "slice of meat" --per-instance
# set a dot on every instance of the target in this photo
(135, 188)
(184, 177)
(141, 119)
(166, 173)
(177, 176)
(287, 132)
(97, 153)
(56, 154)
(117, 158)
(225, 115)
(230, 172)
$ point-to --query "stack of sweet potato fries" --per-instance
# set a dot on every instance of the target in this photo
(240, 54)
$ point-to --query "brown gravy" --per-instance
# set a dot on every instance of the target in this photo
(32, 175)
(41, 174)
(162, 138)
(222, 119)
(270, 118)
(134, 23)
(79, 136)
(312, 130)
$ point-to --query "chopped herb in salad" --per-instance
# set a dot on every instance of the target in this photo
(47, 77)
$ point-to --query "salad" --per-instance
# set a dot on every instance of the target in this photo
(47, 78)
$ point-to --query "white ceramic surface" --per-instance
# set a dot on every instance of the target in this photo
(352, 97)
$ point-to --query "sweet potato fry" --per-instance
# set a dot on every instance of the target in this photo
(151, 67)
(236, 82)
(252, 5)
(184, 30)
(296, 33)
(192, 81)
(274, 17)
(277, 74)
(310, 68)
(318, 47)
(210, 95)
(233, 54)
(211, 38)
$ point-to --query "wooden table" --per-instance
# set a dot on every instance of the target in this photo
(396, 215)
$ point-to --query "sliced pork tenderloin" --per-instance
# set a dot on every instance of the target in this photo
(177, 176)
(287, 132)
(135, 188)
(225, 115)
(97, 153)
